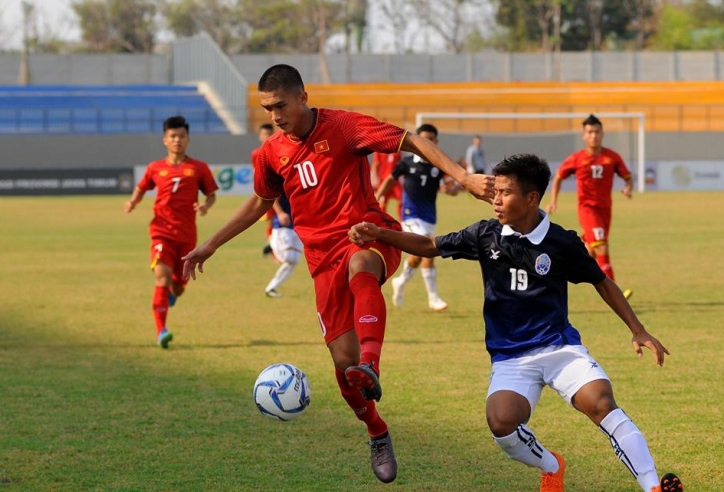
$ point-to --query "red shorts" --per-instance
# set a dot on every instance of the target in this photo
(596, 223)
(169, 253)
(335, 302)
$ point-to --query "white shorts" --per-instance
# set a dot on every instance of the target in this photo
(286, 245)
(565, 368)
(419, 226)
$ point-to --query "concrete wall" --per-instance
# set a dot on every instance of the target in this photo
(363, 68)
(118, 151)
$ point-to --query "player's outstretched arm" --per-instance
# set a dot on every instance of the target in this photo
(135, 199)
(202, 208)
(384, 187)
(555, 189)
(610, 292)
(245, 217)
(628, 187)
(406, 241)
(479, 185)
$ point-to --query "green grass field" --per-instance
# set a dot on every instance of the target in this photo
(89, 402)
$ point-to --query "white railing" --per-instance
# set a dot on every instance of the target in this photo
(199, 60)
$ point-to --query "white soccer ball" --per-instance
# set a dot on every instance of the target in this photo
(282, 392)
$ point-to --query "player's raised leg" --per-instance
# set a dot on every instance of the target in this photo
(366, 270)
(345, 353)
(506, 412)
(596, 401)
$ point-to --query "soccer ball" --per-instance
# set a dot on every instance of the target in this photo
(282, 392)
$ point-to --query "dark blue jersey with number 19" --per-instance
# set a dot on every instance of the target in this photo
(526, 282)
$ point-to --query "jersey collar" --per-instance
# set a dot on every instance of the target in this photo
(537, 235)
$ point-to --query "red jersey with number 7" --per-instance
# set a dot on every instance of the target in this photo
(326, 178)
(594, 175)
(177, 190)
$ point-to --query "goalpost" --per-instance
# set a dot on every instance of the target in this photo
(638, 117)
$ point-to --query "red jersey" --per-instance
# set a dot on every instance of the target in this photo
(326, 178)
(177, 189)
(255, 155)
(385, 163)
(594, 175)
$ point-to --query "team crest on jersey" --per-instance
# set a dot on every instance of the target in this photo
(434, 172)
(322, 146)
(543, 264)
(284, 160)
(188, 172)
(163, 173)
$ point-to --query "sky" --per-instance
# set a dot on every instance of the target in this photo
(54, 16)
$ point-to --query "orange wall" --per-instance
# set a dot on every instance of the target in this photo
(669, 106)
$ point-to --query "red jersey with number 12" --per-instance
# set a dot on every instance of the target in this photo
(177, 190)
(326, 178)
(594, 175)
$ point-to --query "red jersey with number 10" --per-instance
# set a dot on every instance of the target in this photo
(594, 175)
(177, 190)
(326, 178)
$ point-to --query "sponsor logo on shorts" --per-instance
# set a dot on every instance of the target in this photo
(368, 318)
(543, 264)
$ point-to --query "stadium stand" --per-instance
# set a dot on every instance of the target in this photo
(669, 107)
(117, 109)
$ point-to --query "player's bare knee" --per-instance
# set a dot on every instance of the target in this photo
(503, 423)
(414, 261)
(366, 261)
(596, 408)
(502, 427)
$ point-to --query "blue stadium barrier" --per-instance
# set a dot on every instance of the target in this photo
(126, 109)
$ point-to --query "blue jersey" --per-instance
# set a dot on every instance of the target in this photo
(421, 183)
(284, 204)
(526, 282)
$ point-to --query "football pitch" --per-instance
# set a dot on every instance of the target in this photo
(89, 402)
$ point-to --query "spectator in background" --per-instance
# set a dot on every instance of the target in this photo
(475, 157)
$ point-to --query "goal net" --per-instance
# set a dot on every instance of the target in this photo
(551, 135)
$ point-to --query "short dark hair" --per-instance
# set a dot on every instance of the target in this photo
(267, 126)
(531, 171)
(427, 127)
(173, 122)
(592, 120)
(281, 77)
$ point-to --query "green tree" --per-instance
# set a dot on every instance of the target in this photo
(694, 25)
(288, 26)
(219, 18)
(580, 25)
(117, 25)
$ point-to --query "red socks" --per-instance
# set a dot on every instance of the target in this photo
(364, 410)
(605, 264)
(370, 316)
(160, 307)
